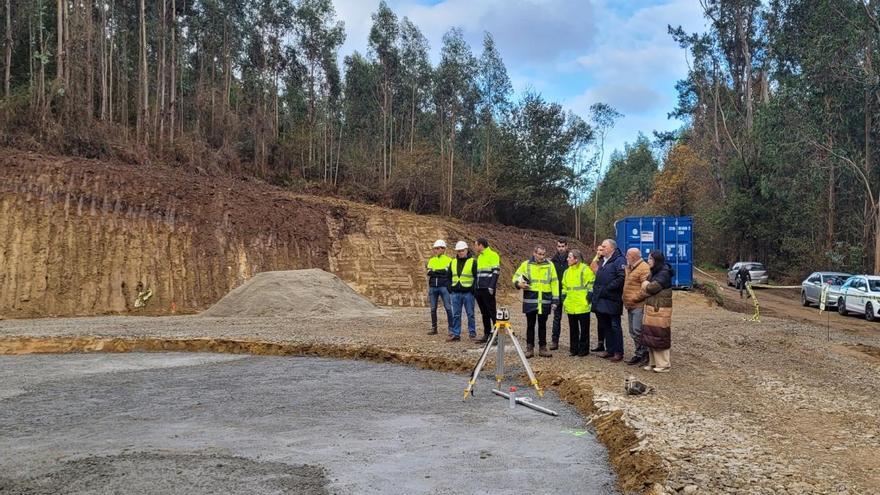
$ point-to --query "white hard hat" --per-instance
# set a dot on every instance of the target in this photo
(440, 243)
(460, 245)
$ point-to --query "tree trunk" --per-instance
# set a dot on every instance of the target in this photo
(160, 76)
(41, 83)
(869, 71)
(59, 50)
(412, 121)
(144, 110)
(877, 238)
(90, 62)
(172, 111)
(102, 50)
(451, 162)
(8, 63)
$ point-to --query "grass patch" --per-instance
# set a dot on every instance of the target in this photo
(711, 291)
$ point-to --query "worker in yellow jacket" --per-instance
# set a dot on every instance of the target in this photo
(577, 282)
(540, 285)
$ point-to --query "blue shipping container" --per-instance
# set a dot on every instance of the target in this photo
(672, 235)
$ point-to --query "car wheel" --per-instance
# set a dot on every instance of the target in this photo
(804, 300)
(869, 313)
(841, 307)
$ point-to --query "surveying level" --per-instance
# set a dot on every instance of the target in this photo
(502, 327)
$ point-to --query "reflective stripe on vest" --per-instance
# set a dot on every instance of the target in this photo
(466, 277)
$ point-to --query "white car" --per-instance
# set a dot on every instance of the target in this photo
(756, 271)
(860, 294)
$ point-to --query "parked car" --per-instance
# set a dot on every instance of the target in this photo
(860, 294)
(812, 286)
(756, 270)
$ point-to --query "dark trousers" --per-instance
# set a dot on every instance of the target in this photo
(609, 328)
(531, 319)
(579, 333)
(557, 321)
(486, 302)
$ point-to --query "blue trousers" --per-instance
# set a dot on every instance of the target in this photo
(441, 293)
(609, 326)
(467, 300)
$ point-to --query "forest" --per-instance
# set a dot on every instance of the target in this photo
(776, 160)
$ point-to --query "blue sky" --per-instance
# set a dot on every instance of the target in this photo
(576, 52)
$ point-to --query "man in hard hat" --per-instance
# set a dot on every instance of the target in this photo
(488, 270)
(439, 278)
(540, 285)
(464, 273)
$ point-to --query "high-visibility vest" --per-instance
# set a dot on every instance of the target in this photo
(438, 263)
(577, 282)
(488, 264)
(543, 285)
(466, 276)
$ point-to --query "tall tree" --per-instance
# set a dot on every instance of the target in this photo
(383, 45)
(456, 90)
(495, 91)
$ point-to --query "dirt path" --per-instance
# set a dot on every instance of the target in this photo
(786, 303)
(770, 407)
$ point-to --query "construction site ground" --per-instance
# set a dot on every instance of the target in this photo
(770, 407)
(166, 423)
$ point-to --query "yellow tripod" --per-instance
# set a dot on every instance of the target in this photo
(502, 327)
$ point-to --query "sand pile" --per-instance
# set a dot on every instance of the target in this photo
(294, 293)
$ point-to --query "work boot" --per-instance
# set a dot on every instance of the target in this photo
(598, 348)
(482, 340)
(452, 338)
(530, 351)
(634, 360)
(543, 352)
(554, 345)
(433, 331)
(616, 358)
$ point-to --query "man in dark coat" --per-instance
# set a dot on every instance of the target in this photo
(560, 261)
(607, 298)
(742, 277)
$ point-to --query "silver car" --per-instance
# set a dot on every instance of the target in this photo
(811, 287)
(756, 270)
(860, 294)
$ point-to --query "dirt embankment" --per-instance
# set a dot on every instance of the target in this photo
(84, 237)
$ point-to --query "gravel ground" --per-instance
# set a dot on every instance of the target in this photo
(772, 407)
(204, 423)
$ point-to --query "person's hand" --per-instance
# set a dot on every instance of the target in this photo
(491, 291)
(553, 307)
(524, 286)
(644, 285)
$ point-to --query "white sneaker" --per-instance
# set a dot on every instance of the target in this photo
(661, 370)
(648, 367)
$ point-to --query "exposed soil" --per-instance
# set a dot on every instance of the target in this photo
(294, 294)
(786, 303)
(769, 407)
(85, 237)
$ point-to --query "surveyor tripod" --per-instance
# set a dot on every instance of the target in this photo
(502, 327)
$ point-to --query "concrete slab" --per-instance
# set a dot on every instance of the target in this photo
(197, 423)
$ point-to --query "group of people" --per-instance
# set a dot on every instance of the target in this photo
(563, 284)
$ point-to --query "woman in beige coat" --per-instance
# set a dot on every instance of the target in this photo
(657, 322)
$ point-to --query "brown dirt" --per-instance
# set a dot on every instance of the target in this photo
(769, 407)
(78, 236)
(293, 294)
(637, 471)
(786, 303)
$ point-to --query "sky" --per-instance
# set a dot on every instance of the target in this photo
(575, 52)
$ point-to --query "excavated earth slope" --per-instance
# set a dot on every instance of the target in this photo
(85, 237)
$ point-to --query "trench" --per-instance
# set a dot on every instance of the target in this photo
(637, 469)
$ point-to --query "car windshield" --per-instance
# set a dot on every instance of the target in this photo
(875, 285)
(835, 279)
